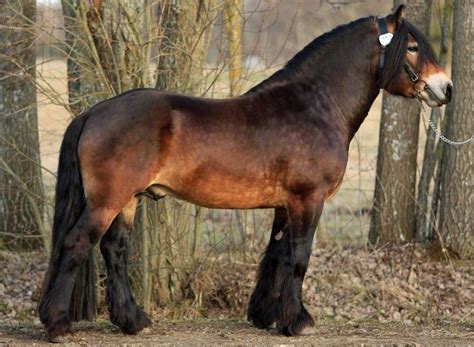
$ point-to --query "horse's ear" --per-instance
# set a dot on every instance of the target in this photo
(398, 16)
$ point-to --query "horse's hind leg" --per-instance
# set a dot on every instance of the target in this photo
(123, 309)
(54, 306)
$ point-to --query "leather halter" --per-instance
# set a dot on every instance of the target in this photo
(385, 39)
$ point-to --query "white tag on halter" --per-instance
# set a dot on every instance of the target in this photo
(385, 39)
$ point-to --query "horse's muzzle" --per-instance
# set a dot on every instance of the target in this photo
(438, 90)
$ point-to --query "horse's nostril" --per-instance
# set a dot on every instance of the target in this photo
(449, 91)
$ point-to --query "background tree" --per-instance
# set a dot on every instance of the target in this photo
(394, 211)
(198, 262)
(73, 51)
(457, 177)
(184, 32)
(106, 57)
(21, 189)
(233, 26)
(432, 153)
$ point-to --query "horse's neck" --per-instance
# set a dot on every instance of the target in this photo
(355, 98)
(337, 84)
(343, 94)
(348, 87)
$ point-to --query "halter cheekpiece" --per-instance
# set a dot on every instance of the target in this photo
(385, 38)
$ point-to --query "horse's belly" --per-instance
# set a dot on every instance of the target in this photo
(217, 191)
(243, 199)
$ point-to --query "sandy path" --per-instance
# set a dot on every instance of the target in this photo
(237, 332)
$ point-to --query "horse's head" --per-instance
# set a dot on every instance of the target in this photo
(408, 66)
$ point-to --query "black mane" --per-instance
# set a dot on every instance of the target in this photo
(317, 47)
(395, 53)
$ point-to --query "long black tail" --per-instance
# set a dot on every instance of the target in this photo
(70, 203)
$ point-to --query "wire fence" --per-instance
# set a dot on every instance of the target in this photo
(188, 242)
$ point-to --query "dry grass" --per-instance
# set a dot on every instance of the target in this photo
(342, 284)
(351, 284)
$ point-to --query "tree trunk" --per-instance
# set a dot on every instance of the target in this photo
(457, 177)
(21, 188)
(167, 63)
(184, 39)
(73, 46)
(394, 214)
(425, 214)
(233, 26)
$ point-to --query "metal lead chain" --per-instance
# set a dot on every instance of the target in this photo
(441, 136)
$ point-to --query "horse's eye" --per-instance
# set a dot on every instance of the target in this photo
(412, 49)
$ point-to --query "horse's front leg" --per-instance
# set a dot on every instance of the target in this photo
(304, 213)
(263, 302)
(278, 294)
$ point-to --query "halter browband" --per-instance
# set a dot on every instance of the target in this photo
(385, 38)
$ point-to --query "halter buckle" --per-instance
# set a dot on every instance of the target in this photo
(414, 78)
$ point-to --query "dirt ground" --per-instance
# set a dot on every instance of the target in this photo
(238, 332)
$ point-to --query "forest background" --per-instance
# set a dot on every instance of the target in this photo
(396, 242)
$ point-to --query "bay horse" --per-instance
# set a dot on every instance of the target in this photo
(282, 145)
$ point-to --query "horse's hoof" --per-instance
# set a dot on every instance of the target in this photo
(56, 339)
(134, 322)
(55, 331)
(309, 330)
